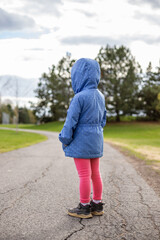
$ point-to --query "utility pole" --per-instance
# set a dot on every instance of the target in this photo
(0, 107)
(17, 109)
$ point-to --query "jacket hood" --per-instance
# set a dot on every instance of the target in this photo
(85, 74)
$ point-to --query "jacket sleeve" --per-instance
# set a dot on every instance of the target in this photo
(103, 123)
(73, 113)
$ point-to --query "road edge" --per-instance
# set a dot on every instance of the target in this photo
(151, 176)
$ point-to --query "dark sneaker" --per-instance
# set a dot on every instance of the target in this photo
(97, 208)
(81, 211)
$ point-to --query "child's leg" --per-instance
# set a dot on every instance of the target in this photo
(84, 171)
(96, 179)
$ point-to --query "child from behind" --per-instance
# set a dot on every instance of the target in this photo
(82, 135)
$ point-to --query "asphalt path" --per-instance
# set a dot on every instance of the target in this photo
(38, 184)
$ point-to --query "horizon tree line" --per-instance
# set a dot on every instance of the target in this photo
(127, 90)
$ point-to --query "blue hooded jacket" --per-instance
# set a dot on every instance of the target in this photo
(83, 129)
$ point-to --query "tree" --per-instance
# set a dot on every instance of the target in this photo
(26, 115)
(54, 91)
(120, 79)
(150, 94)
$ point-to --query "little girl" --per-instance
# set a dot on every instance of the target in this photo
(82, 135)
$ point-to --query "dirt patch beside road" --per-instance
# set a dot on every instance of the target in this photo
(149, 172)
(150, 152)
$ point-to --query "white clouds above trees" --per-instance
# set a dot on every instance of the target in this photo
(34, 34)
(11, 21)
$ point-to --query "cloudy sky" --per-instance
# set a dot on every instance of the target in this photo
(36, 34)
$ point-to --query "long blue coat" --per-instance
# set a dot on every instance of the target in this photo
(83, 129)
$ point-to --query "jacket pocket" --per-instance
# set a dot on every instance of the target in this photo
(64, 146)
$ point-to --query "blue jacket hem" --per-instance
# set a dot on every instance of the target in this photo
(82, 156)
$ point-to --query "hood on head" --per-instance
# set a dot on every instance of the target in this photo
(85, 74)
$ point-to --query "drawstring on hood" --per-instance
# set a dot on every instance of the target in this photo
(85, 74)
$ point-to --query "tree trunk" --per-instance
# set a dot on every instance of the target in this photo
(117, 117)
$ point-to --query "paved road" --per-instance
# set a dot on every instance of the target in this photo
(38, 184)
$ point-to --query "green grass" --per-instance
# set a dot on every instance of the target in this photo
(10, 140)
(53, 126)
(136, 134)
(140, 139)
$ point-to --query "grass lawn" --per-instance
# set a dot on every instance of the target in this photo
(10, 140)
(53, 126)
(140, 138)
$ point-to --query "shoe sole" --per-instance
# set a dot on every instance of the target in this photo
(97, 213)
(80, 215)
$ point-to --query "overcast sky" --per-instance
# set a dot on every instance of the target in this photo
(34, 34)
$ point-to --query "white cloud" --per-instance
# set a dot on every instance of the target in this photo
(38, 7)
(153, 19)
(104, 40)
(86, 13)
(152, 3)
(13, 25)
(144, 54)
(12, 21)
(43, 7)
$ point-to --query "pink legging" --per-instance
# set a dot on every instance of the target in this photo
(88, 169)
